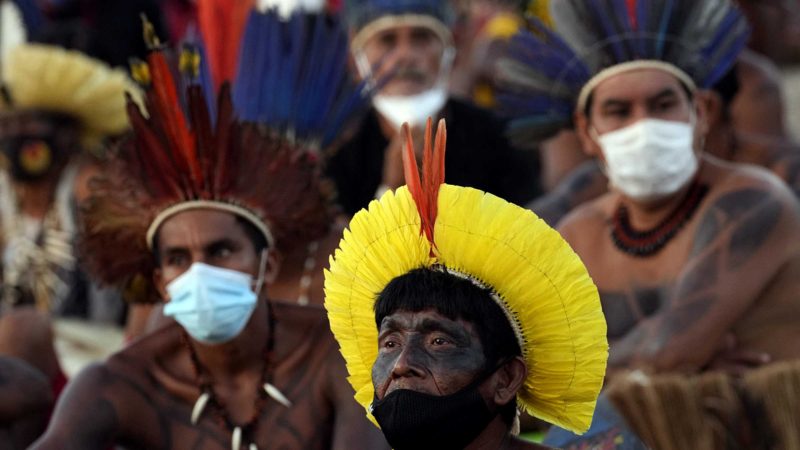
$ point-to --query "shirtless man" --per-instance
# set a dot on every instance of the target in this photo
(143, 397)
(732, 268)
(746, 117)
(689, 253)
(234, 370)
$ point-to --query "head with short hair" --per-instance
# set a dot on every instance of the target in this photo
(455, 310)
(408, 41)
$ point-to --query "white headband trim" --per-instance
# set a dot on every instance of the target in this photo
(605, 74)
(391, 21)
(208, 204)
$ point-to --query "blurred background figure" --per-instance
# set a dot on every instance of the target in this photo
(58, 110)
(25, 403)
(481, 32)
(109, 30)
(407, 47)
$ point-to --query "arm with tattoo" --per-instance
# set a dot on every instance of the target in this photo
(742, 241)
(23, 390)
(85, 418)
(25, 401)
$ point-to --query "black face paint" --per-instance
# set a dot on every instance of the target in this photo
(413, 420)
(29, 159)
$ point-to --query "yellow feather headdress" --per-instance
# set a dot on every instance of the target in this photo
(541, 284)
(47, 78)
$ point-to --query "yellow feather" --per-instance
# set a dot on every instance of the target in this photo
(542, 284)
(41, 77)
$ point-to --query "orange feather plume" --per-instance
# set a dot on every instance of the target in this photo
(424, 187)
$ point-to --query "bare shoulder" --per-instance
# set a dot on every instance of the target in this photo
(752, 204)
(299, 320)
(758, 183)
(304, 330)
(758, 71)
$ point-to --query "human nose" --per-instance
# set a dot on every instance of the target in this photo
(410, 363)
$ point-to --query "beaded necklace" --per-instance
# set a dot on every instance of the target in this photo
(649, 242)
(208, 397)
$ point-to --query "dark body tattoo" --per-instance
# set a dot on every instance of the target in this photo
(732, 230)
(137, 403)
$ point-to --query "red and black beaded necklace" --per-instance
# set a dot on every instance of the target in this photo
(649, 242)
(209, 398)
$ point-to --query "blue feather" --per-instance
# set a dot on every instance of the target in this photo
(293, 76)
(661, 32)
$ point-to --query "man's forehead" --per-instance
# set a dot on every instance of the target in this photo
(424, 320)
(636, 85)
(198, 228)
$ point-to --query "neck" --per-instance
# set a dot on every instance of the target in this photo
(496, 436)
(244, 353)
(646, 216)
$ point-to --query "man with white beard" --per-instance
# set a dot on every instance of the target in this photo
(408, 46)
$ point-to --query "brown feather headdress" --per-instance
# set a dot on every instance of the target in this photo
(182, 157)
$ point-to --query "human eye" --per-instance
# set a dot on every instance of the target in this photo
(388, 40)
(220, 251)
(390, 342)
(665, 105)
(441, 341)
(618, 113)
(177, 259)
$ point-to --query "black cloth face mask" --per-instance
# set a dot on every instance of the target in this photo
(412, 420)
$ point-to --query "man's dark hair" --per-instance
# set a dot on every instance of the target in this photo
(255, 236)
(727, 88)
(455, 298)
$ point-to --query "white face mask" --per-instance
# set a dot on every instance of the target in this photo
(213, 304)
(414, 109)
(651, 159)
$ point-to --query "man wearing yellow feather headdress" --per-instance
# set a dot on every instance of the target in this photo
(453, 308)
(56, 104)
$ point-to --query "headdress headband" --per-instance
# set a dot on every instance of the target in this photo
(550, 72)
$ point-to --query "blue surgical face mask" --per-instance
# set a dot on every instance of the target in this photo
(211, 303)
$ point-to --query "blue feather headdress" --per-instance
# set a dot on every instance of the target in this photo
(366, 17)
(293, 77)
(549, 73)
(361, 12)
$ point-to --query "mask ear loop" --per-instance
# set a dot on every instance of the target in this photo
(601, 164)
(262, 268)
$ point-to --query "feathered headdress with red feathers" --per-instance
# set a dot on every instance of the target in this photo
(182, 156)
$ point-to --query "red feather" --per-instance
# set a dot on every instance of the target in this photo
(222, 24)
(632, 13)
(168, 111)
(425, 192)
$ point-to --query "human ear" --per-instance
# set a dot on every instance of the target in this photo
(709, 111)
(508, 381)
(273, 266)
(160, 285)
(588, 142)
